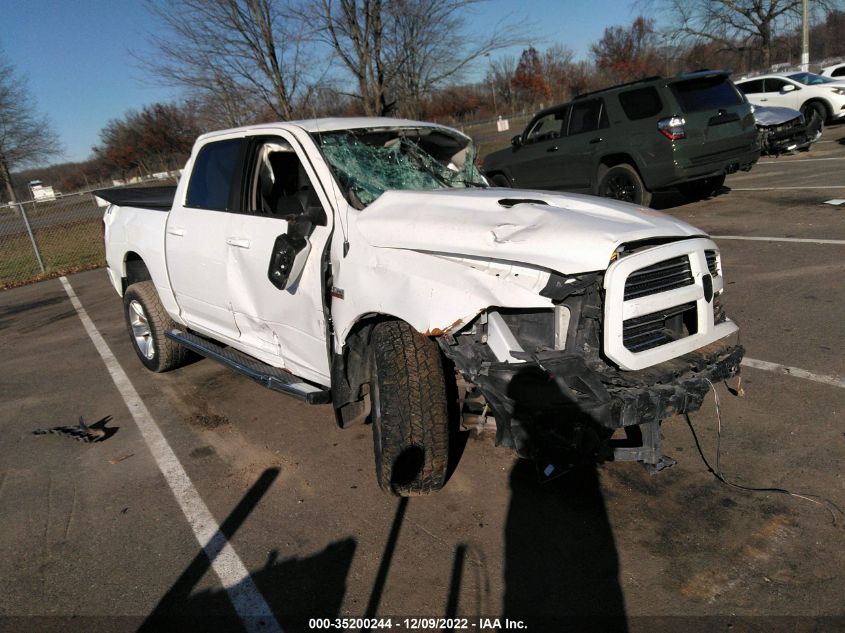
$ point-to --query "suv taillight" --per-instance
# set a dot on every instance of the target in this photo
(672, 128)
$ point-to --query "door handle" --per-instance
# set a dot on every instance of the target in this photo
(172, 230)
(763, 99)
(553, 148)
(598, 139)
(238, 242)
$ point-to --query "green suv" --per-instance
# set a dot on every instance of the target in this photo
(625, 142)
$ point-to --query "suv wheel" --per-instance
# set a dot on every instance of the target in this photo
(409, 412)
(147, 321)
(622, 182)
(500, 180)
(814, 109)
(700, 189)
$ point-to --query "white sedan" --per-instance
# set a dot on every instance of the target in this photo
(813, 95)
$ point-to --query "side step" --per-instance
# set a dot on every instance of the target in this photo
(267, 375)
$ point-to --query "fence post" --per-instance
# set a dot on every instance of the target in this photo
(31, 236)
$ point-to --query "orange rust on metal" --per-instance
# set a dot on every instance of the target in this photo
(439, 332)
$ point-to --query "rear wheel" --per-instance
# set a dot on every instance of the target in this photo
(409, 411)
(622, 182)
(700, 189)
(147, 321)
(500, 180)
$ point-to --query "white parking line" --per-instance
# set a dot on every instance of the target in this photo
(798, 160)
(244, 595)
(787, 188)
(793, 371)
(800, 240)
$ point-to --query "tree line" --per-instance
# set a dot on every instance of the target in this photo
(248, 61)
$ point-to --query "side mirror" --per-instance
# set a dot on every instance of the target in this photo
(287, 260)
(788, 88)
(516, 141)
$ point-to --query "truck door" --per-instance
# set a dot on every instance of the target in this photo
(275, 251)
(195, 238)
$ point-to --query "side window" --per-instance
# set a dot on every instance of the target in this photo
(281, 186)
(751, 87)
(213, 176)
(839, 72)
(585, 116)
(641, 103)
(546, 127)
(774, 85)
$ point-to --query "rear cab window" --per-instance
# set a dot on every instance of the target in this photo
(215, 176)
(706, 93)
(641, 103)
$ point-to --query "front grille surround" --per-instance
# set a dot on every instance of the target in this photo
(655, 307)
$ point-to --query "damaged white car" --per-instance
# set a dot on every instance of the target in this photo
(366, 263)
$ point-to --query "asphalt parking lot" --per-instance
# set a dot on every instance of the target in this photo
(93, 535)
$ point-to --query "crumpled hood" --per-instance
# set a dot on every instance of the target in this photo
(570, 233)
(774, 115)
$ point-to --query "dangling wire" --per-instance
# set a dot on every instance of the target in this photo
(831, 507)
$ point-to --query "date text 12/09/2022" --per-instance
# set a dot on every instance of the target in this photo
(416, 624)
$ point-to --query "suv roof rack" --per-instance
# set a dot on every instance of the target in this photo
(629, 83)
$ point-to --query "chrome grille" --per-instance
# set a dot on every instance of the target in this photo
(658, 328)
(711, 262)
(660, 277)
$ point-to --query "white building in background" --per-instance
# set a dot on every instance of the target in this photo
(40, 192)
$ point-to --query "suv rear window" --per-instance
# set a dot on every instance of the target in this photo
(213, 175)
(706, 93)
(641, 103)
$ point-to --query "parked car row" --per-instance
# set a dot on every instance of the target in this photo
(685, 132)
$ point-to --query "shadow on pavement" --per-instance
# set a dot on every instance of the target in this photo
(561, 565)
(294, 589)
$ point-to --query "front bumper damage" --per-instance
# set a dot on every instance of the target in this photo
(557, 404)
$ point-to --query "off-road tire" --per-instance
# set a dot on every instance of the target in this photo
(499, 180)
(700, 189)
(166, 353)
(622, 182)
(409, 411)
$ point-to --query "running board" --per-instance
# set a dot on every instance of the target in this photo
(267, 375)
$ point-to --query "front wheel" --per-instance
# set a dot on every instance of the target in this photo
(814, 110)
(622, 182)
(409, 411)
(147, 321)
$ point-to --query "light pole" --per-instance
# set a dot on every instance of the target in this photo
(805, 36)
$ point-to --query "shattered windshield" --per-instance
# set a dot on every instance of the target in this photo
(369, 162)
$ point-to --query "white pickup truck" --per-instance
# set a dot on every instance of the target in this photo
(366, 263)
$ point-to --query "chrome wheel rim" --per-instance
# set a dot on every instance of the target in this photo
(141, 330)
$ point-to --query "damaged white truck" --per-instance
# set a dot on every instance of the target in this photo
(366, 263)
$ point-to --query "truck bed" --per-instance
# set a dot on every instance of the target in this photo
(156, 198)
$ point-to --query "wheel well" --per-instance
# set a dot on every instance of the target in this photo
(136, 270)
(612, 160)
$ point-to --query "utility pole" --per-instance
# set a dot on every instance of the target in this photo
(805, 36)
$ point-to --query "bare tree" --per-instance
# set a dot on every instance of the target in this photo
(234, 50)
(25, 136)
(626, 53)
(736, 25)
(400, 52)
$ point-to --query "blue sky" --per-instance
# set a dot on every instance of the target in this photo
(77, 55)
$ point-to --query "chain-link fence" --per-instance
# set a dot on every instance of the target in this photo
(46, 238)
